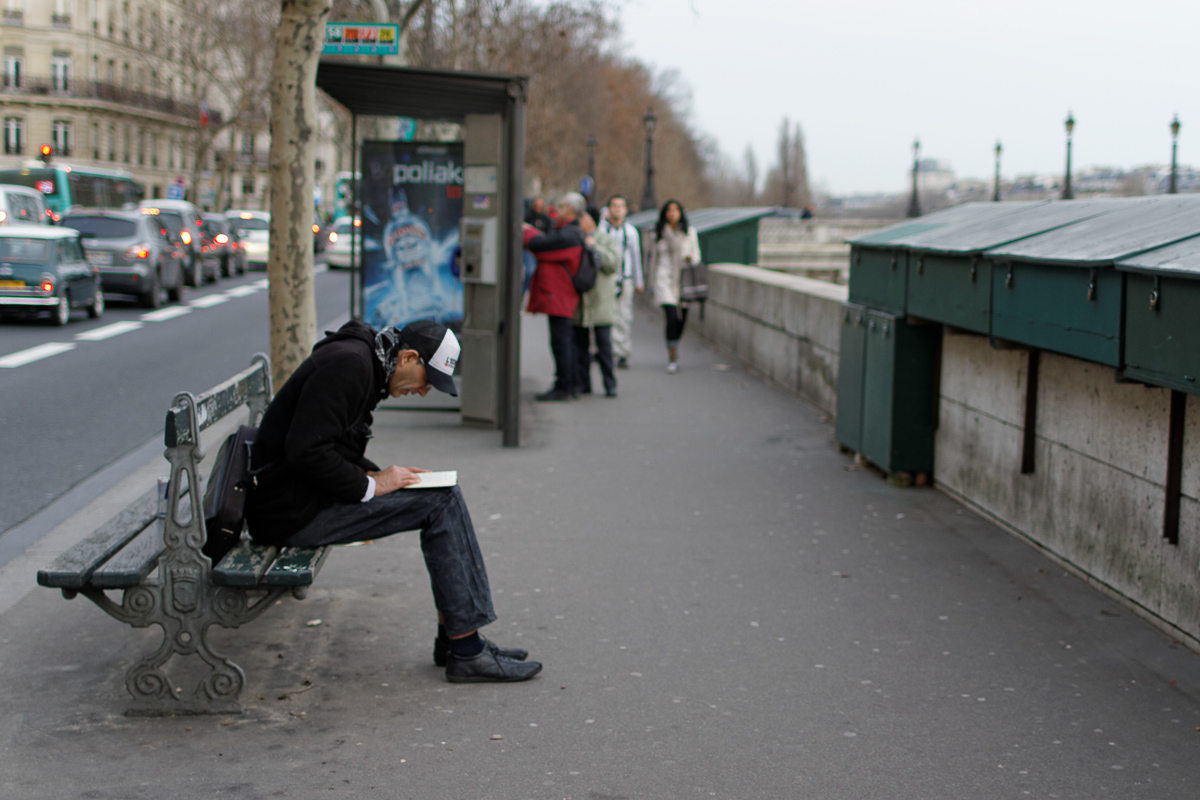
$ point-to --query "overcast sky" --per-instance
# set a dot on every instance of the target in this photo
(864, 77)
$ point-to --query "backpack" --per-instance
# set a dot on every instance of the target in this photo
(585, 277)
(225, 495)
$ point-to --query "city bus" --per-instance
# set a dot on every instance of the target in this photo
(63, 186)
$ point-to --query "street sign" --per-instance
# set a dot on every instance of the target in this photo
(586, 185)
(361, 39)
(175, 190)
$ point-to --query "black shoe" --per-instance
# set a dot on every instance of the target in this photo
(487, 667)
(610, 392)
(553, 396)
(622, 363)
(441, 649)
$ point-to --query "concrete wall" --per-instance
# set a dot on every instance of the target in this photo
(1095, 499)
(784, 326)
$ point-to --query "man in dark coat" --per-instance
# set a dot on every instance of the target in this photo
(320, 488)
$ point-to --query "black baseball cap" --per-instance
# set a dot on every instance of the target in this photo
(438, 348)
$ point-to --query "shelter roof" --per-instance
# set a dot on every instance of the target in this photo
(377, 90)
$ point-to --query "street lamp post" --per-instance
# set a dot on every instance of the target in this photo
(1067, 194)
(996, 193)
(1174, 186)
(914, 205)
(649, 198)
(591, 147)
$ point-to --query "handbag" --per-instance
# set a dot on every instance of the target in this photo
(693, 283)
(225, 495)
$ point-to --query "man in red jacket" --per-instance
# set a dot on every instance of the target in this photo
(551, 291)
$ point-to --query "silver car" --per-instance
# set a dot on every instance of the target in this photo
(133, 251)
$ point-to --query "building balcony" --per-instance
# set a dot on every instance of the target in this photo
(60, 20)
(108, 92)
(12, 16)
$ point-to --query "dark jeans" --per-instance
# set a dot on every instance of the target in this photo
(456, 571)
(676, 317)
(604, 356)
(562, 347)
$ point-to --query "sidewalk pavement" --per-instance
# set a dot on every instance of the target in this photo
(725, 605)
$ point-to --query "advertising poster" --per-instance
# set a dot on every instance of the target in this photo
(412, 200)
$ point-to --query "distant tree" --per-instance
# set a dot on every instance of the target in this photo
(787, 181)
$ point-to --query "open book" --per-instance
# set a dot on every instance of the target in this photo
(436, 480)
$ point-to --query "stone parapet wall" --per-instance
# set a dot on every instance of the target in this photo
(783, 326)
(1095, 499)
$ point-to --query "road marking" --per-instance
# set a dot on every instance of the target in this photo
(261, 284)
(242, 291)
(163, 314)
(210, 300)
(108, 331)
(36, 353)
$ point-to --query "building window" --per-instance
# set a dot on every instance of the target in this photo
(60, 72)
(112, 141)
(14, 12)
(61, 16)
(112, 72)
(14, 136)
(248, 144)
(154, 149)
(247, 184)
(141, 148)
(14, 70)
(60, 137)
(95, 141)
(127, 150)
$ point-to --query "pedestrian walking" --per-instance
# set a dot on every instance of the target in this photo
(675, 246)
(594, 317)
(630, 279)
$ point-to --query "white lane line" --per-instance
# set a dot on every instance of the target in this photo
(210, 300)
(242, 291)
(36, 353)
(170, 312)
(261, 284)
(108, 331)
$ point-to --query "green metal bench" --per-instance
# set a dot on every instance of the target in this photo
(151, 551)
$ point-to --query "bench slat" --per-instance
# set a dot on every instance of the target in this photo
(72, 569)
(134, 562)
(244, 565)
(214, 404)
(296, 566)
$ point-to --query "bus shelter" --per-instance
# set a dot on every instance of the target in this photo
(491, 110)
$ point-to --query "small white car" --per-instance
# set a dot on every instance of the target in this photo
(254, 229)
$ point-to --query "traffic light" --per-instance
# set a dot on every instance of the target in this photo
(46, 151)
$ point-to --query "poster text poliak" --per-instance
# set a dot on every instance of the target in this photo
(412, 202)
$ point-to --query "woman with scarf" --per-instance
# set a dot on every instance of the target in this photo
(675, 246)
(320, 488)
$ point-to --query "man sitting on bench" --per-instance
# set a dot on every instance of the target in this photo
(320, 489)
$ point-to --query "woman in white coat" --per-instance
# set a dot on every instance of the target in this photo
(675, 246)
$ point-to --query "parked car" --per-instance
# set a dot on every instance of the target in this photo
(225, 244)
(185, 222)
(43, 271)
(133, 251)
(21, 204)
(254, 230)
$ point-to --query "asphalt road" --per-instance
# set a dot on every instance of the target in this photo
(102, 387)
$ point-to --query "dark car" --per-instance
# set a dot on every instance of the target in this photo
(43, 271)
(185, 223)
(133, 251)
(225, 244)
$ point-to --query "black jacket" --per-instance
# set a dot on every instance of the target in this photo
(315, 434)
